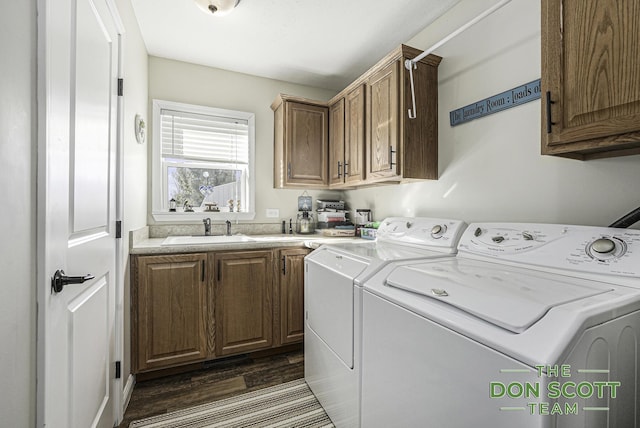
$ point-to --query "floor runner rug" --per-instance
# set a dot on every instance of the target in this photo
(290, 405)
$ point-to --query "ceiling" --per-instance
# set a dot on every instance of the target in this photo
(320, 43)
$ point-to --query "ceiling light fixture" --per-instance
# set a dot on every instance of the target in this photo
(217, 7)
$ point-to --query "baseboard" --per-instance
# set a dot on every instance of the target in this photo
(127, 391)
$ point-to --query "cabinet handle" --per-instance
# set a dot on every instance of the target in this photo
(219, 271)
(203, 268)
(284, 265)
(391, 162)
(346, 171)
(549, 122)
(339, 169)
(289, 170)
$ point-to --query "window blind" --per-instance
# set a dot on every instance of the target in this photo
(203, 137)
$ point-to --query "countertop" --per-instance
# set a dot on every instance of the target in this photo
(154, 245)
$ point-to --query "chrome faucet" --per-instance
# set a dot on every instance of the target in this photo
(228, 227)
(207, 226)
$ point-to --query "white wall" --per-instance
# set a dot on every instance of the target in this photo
(17, 245)
(193, 84)
(135, 74)
(491, 168)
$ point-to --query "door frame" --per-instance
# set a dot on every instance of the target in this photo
(43, 279)
(119, 400)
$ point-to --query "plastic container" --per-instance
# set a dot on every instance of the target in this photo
(368, 233)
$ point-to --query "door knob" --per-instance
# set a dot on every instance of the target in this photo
(59, 280)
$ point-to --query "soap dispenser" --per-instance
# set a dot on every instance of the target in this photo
(304, 223)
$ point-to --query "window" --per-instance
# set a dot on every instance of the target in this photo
(203, 160)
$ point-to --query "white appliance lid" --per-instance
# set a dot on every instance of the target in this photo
(384, 251)
(508, 297)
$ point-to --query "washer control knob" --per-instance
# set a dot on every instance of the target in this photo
(527, 236)
(497, 239)
(603, 246)
(438, 230)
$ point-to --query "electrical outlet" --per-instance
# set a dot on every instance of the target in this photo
(272, 212)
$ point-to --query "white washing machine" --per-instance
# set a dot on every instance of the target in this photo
(529, 325)
(333, 297)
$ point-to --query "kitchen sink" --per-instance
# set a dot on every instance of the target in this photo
(202, 240)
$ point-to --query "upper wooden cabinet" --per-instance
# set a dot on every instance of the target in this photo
(415, 156)
(384, 131)
(169, 310)
(336, 143)
(347, 139)
(382, 144)
(590, 78)
(354, 135)
(371, 138)
(301, 143)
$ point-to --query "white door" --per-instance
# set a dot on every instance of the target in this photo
(78, 66)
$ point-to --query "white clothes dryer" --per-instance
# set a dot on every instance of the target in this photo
(334, 275)
(529, 325)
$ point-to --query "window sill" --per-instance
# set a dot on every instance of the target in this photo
(182, 217)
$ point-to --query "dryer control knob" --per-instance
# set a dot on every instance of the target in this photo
(603, 246)
(438, 230)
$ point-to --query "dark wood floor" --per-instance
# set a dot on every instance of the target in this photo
(216, 381)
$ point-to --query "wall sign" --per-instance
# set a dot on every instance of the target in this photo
(507, 99)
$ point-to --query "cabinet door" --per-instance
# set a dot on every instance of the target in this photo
(590, 78)
(291, 285)
(384, 129)
(243, 302)
(354, 166)
(307, 144)
(169, 310)
(336, 142)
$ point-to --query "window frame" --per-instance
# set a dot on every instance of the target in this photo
(158, 173)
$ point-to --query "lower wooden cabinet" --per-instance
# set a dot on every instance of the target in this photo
(169, 311)
(291, 290)
(243, 302)
(188, 308)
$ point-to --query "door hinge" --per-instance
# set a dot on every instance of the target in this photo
(120, 87)
(118, 229)
(118, 370)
